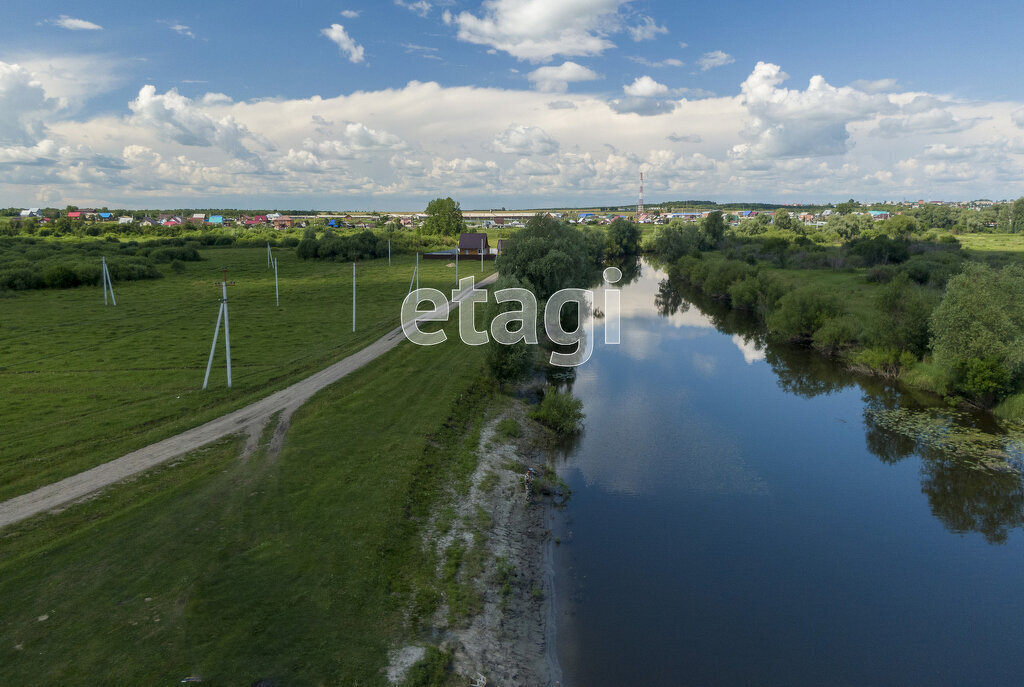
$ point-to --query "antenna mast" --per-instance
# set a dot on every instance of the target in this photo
(640, 198)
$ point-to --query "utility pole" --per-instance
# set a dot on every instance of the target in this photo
(107, 283)
(353, 296)
(268, 255)
(456, 265)
(221, 314)
(482, 253)
(277, 291)
(417, 271)
(389, 252)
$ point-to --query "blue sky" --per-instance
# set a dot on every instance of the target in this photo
(506, 102)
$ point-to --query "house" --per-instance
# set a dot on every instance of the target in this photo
(125, 220)
(106, 216)
(878, 214)
(501, 245)
(198, 218)
(473, 244)
(31, 212)
(75, 215)
(216, 219)
(148, 222)
(282, 221)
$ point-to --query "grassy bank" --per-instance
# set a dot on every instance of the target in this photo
(295, 569)
(85, 383)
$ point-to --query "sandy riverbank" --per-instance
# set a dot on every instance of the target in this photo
(511, 639)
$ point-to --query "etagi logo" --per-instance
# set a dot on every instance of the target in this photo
(525, 318)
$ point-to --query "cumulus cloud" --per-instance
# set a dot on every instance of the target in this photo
(351, 14)
(523, 139)
(646, 30)
(538, 30)
(933, 121)
(786, 123)
(72, 24)
(23, 104)
(177, 118)
(337, 34)
(557, 79)
(1017, 116)
(715, 58)
(561, 105)
(645, 86)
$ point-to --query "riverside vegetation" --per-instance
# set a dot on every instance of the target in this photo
(892, 299)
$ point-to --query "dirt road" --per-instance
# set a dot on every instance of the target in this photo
(249, 420)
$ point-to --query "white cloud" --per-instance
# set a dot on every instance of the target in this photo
(420, 7)
(877, 86)
(715, 58)
(646, 30)
(934, 121)
(337, 34)
(1018, 117)
(668, 62)
(524, 140)
(351, 14)
(538, 30)
(182, 30)
(74, 79)
(645, 86)
(557, 79)
(689, 138)
(23, 104)
(643, 106)
(72, 24)
(787, 123)
(561, 105)
(177, 118)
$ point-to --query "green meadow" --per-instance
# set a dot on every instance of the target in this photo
(300, 569)
(84, 383)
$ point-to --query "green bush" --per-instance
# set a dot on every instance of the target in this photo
(722, 275)
(800, 313)
(59, 277)
(559, 411)
(836, 334)
(757, 292)
(432, 670)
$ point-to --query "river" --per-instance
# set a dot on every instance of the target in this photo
(752, 515)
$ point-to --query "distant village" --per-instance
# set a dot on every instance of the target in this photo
(659, 214)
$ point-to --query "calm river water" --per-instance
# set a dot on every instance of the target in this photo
(752, 516)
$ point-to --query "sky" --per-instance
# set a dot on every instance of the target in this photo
(507, 103)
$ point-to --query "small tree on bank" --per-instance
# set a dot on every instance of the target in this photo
(444, 218)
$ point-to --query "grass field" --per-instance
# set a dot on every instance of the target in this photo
(294, 569)
(1012, 244)
(84, 383)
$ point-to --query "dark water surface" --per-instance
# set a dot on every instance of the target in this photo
(748, 516)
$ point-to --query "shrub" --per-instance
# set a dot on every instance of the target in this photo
(559, 411)
(801, 312)
(59, 277)
(722, 275)
(757, 292)
(836, 334)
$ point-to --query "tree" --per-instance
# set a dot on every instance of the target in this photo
(783, 221)
(847, 207)
(902, 310)
(712, 229)
(1017, 216)
(623, 239)
(978, 329)
(547, 255)
(675, 240)
(444, 218)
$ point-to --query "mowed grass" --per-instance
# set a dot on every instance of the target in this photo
(83, 383)
(296, 569)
